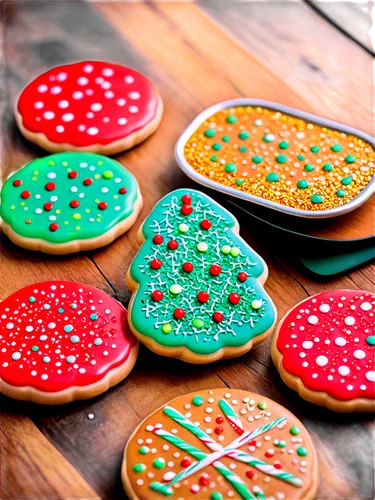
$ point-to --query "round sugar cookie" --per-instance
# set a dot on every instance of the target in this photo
(220, 444)
(69, 202)
(62, 341)
(324, 348)
(89, 106)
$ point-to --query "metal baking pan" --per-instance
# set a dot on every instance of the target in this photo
(319, 214)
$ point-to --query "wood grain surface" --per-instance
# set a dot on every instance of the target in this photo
(197, 55)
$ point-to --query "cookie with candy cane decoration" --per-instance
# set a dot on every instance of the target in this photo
(89, 106)
(62, 341)
(69, 202)
(324, 348)
(220, 444)
(197, 285)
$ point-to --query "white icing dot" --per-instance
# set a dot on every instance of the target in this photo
(324, 308)
(122, 121)
(133, 109)
(307, 344)
(60, 129)
(77, 94)
(321, 360)
(359, 354)
(370, 376)
(38, 211)
(54, 198)
(16, 356)
(106, 85)
(10, 326)
(67, 117)
(82, 80)
(42, 88)
(340, 341)
(96, 106)
(63, 104)
(363, 387)
(61, 77)
(44, 376)
(92, 131)
(313, 320)
(366, 306)
(34, 373)
(168, 476)
(349, 321)
(51, 325)
(29, 328)
(40, 105)
(109, 94)
(49, 115)
(134, 95)
(88, 68)
(81, 128)
(107, 72)
(128, 79)
(56, 90)
(343, 370)
(121, 102)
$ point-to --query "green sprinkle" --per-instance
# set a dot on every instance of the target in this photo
(35, 348)
(175, 289)
(143, 450)
(32, 299)
(284, 145)
(197, 400)
(294, 431)
(93, 317)
(225, 249)
(328, 167)
(370, 340)
(315, 149)
(242, 149)
(167, 328)
(244, 135)
(346, 180)
(214, 158)
(225, 138)
(198, 323)
(77, 216)
(60, 310)
(231, 119)
(268, 138)
(216, 496)
(257, 159)
(302, 184)
(272, 177)
(341, 192)
(336, 148)
(316, 198)
(300, 157)
(281, 443)
(139, 468)
(235, 252)
(107, 174)
(210, 132)
(183, 228)
(216, 146)
(239, 182)
(159, 463)
(302, 451)
(308, 167)
(230, 168)
(262, 405)
(281, 159)
(350, 159)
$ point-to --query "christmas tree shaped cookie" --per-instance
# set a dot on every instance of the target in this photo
(198, 287)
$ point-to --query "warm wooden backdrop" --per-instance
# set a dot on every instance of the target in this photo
(315, 57)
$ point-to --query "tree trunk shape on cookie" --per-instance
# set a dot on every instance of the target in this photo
(198, 285)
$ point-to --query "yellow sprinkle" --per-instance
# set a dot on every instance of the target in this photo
(78, 228)
(100, 162)
(23, 203)
(116, 196)
(50, 162)
(36, 172)
(97, 176)
(34, 178)
(65, 164)
(58, 211)
(66, 222)
(12, 207)
(87, 210)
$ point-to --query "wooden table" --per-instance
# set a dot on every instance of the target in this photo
(309, 56)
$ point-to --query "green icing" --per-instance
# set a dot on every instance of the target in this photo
(346, 180)
(230, 168)
(244, 135)
(370, 340)
(281, 159)
(302, 451)
(210, 132)
(224, 247)
(316, 198)
(302, 184)
(336, 148)
(284, 145)
(308, 167)
(272, 177)
(28, 217)
(197, 400)
(257, 159)
(328, 167)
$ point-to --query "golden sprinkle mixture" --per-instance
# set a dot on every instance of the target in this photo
(281, 158)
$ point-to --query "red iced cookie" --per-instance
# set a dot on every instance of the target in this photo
(61, 341)
(91, 105)
(324, 349)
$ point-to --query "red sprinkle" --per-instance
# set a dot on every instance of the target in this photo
(156, 264)
(186, 199)
(102, 205)
(17, 183)
(242, 276)
(206, 224)
(74, 203)
(158, 239)
(219, 420)
(122, 190)
(218, 317)
(234, 298)
(172, 245)
(186, 209)
(87, 181)
(25, 195)
(73, 174)
(188, 267)
(250, 474)
(203, 297)
(253, 442)
(179, 313)
(54, 227)
(204, 480)
(215, 270)
(185, 462)
(157, 295)
(50, 186)
(269, 453)
(48, 206)
(278, 465)
(219, 430)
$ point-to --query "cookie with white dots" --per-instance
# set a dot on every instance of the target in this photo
(220, 444)
(324, 348)
(89, 106)
(68, 202)
(62, 341)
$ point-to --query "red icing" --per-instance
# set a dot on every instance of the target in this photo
(158, 239)
(186, 209)
(17, 183)
(156, 264)
(215, 270)
(172, 245)
(54, 227)
(206, 224)
(157, 295)
(179, 313)
(188, 267)
(345, 369)
(234, 298)
(242, 277)
(203, 297)
(218, 317)
(25, 195)
(18, 313)
(48, 206)
(186, 198)
(88, 103)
